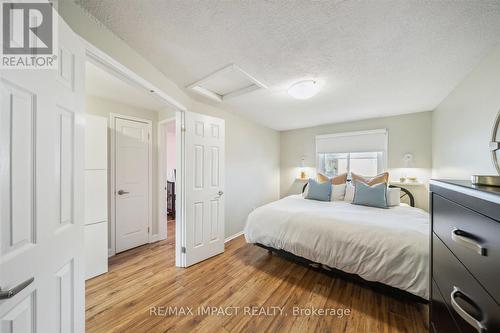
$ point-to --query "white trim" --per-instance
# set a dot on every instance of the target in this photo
(236, 235)
(98, 56)
(180, 194)
(197, 86)
(207, 93)
(162, 168)
(112, 120)
(111, 253)
(336, 135)
(473, 193)
(241, 91)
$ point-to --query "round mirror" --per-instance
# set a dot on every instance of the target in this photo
(495, 143)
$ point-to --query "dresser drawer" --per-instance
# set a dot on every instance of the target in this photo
(441, 318)
(463, 295)
(473, 238)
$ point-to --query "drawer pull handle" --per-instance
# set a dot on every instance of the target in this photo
(460, 237)
(464, 314)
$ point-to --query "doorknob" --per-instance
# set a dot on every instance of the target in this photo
(122, 192)
(220, 193)
(4, 294)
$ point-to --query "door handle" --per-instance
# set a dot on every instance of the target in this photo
(4, 294)
(220, 193)
(460, 237)
(464, 314)
(122, 192)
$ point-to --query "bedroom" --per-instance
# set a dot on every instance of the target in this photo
(266, 95)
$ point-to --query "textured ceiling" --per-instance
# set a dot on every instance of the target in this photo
(100, 83)
(372, 58)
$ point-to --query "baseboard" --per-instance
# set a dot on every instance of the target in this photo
(233, 236)
(111, 253)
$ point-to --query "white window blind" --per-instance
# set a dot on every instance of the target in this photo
(374, 140)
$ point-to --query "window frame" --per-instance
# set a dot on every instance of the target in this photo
(379, 158)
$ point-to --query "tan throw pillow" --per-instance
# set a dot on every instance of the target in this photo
(382, 178)
(337, 180)
(321, 178)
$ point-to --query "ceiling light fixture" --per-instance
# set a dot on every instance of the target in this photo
(303, 89)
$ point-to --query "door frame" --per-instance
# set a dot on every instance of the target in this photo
(180, 193)
(96, 55)
(112, 174)
(162, 179)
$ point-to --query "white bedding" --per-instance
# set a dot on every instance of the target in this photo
(385, 245)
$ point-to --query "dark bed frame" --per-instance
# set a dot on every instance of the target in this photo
(394, 292)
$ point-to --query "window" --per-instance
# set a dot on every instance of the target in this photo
(364, 153)
(367, 163)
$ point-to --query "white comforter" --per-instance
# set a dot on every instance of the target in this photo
(390, 246)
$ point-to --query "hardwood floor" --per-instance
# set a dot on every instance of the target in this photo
(142, 283)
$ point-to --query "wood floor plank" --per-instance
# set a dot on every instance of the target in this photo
(245, 277)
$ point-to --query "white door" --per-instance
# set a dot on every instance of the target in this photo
(41, 188)
(132, 172)
(204, 187)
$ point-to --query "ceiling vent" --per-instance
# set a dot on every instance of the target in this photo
(226, 83)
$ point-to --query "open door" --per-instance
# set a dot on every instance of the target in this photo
(203, 187)
(41, 187)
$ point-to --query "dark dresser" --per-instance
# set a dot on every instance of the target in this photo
(465, 257)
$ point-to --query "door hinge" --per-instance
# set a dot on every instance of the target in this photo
(183, 128)
(148, 229)
(183, 249)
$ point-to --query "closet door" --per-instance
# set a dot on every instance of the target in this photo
(96, 196)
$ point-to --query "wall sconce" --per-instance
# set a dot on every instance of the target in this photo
(303, 174)
(408, 160)
(408, 163)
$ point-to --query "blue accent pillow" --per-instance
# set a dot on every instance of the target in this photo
(373, 196)
(319, 191)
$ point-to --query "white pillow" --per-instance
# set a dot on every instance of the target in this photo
(393, 196)
(338, 192)
(349, 192)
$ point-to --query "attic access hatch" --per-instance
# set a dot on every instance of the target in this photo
(226, 83)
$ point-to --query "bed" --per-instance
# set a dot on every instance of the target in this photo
(382, 246)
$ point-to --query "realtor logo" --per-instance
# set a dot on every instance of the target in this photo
(28, 35)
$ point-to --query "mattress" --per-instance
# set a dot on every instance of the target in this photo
(389, 246)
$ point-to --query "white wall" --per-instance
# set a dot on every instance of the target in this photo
(463, 122)
(410, 133)
(250, 182)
